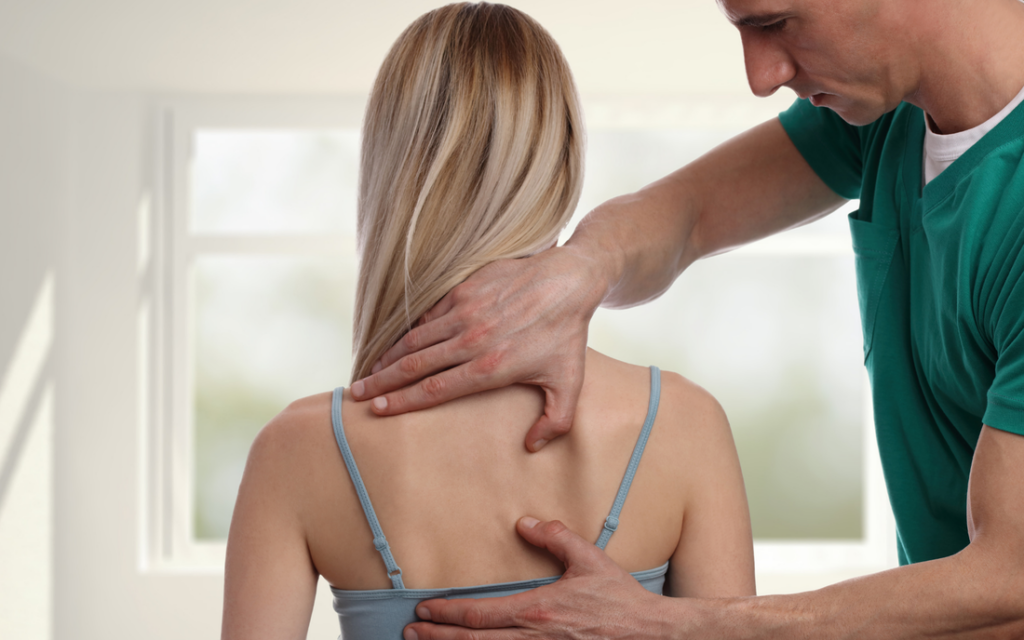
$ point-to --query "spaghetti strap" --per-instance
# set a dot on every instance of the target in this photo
(611, 523)
(379, 541)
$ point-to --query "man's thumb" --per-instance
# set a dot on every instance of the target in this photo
(572, 550)
(559, 410)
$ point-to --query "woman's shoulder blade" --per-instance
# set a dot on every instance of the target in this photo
(299, 419)
(680, 396)
(300, 430)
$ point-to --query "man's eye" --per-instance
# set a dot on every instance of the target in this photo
(775, 26)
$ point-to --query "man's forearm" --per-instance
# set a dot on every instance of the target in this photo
(636, 243)
(970, 595)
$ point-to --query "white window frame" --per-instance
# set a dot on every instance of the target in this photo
(166, 470)
(168, 464)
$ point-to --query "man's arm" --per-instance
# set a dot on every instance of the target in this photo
(977, 593)
(526, 320)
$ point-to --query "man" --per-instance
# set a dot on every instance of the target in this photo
(910, 105)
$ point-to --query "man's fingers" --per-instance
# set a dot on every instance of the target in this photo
(413, 367)
(429, 631)
(523, 611)
(443, 306)
(482, 613)
(559, 411)
(429, 392)
(416, 340)
(574, 552)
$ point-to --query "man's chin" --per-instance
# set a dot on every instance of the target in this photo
(856, 115)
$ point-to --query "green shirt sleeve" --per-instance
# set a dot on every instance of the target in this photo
(830, 145)
(1005, 409)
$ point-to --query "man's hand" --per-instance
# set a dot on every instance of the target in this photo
(513, 321)
(595, 598)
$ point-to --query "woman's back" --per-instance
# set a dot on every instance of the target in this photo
(448, 485)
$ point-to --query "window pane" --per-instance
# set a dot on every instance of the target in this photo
(776, 339)
(274, 181)
(622, 161)
(268, 331)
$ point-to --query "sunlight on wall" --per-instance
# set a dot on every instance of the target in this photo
(26, 477)
(23, 372)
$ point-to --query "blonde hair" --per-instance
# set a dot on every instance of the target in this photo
(472, 152)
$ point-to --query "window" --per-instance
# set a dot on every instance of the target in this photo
(259, 265)
(271, 247)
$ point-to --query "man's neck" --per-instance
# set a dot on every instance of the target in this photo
(972, 60)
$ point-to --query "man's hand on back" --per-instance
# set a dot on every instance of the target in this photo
(513, 321)
(595, 598)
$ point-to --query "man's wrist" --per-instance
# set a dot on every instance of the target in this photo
(670, 618)
(702, 618)
(596, 274)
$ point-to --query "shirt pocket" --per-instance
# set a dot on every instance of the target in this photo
(873, 250)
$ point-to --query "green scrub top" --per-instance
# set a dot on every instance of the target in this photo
(939, 280)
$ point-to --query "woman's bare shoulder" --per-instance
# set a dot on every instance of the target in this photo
(300, 434)
(691, 432)
(680, 397)
(299, 420)
(685, 401)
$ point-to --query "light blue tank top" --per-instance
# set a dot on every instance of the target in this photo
(381, 614)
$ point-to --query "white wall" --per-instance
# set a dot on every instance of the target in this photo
(99, 590)
(34, 196)
(103, 588)
(75, 166)
(654, 47)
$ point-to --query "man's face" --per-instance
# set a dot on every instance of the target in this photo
(838, 53)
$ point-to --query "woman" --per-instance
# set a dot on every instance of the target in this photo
(472, 152)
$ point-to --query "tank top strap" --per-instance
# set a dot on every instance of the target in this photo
(611, 523)
(380, 543)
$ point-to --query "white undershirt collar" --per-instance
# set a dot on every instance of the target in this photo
(940, 151)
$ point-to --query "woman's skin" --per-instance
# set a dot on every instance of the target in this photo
(449, 484)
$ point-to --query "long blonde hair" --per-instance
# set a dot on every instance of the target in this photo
(472, 152)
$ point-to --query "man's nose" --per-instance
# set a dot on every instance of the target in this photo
(769, 66)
